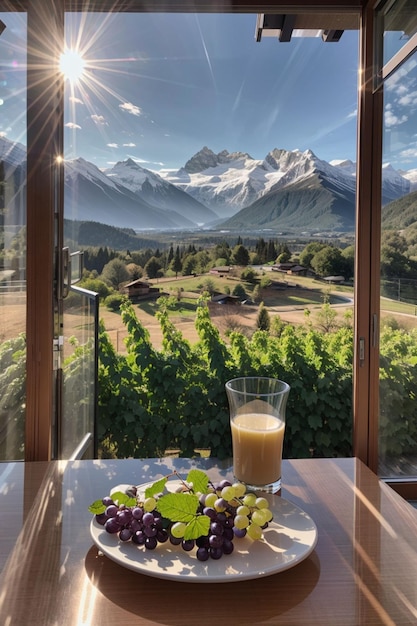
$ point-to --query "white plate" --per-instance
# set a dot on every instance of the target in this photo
(289, 539)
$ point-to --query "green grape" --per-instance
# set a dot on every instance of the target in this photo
(178, 530)
(262, 503)
(254, 531)
(241, 521)
(268, 514)
(228, 493)
(240, 489)
(249, 499)
(258, 517)
(243, 510)
(149, 504)
(211, 499)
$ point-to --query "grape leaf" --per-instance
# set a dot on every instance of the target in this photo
(123, 498)
(156, 488)
(178, 507)
(97, 507)
(199, 479)
(197, 527)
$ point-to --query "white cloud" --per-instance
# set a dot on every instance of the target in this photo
(99, 120)
(129, 145)
(131, 108)
(352, 114)
(75, 100)
(410, 153)
(112, 145)
(73, 126)
(394, 120)
(409, 99)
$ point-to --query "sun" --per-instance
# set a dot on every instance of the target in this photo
(72, 65)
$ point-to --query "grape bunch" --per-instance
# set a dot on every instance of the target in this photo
(200, 514)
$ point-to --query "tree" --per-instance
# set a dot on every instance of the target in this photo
(115, 272)
(240, 255)
(153, 268)
(176, 264)
(309, 251)
(263, 321)
(239, 291)
(328, 261)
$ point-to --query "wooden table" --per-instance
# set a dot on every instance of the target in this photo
(363, 570)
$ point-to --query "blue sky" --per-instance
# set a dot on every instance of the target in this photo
(159, 87)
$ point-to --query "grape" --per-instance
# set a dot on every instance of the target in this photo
(150, 531)
(202, 554)
(112, 525)
(240, 489)
(178, 529)
(216, 553)
(107, 501)
(211, 513)
(124, 517)
(249, 499)
(210, 499)
(228, 493)
(262, 503)
(151, 543)
(175, 540)
(162, 535)
(258, 517)
(241, 521)
(267, 514)
(228, 546)
(216, 528)
(149, 504)
(243, 510)
(137, 512)
(215, 541)
(239, 532)
(125, 534)
(220, 504)
(224, 483)
(254, 531)
(188, 544)
(139, 538)
(148, 519)
(101, 518)
(112, 510)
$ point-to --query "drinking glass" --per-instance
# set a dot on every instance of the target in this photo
(257, 420)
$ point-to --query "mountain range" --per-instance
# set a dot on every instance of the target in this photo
(287, 191)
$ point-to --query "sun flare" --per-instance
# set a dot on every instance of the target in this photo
(72, 65)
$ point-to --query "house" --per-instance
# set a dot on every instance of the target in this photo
(225, 298)
(221, 270)
(140, 289)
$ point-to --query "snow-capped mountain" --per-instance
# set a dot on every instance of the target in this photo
(159, 192)
(91, 195)
(285, 189)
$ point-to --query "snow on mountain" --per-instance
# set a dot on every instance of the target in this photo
(411, 176)
(159, 192)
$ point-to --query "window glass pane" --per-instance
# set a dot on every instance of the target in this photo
(12, 234)
(210, 179)
(399, 24)
(398, 343)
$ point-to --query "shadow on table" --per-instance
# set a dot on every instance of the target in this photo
(186, 604)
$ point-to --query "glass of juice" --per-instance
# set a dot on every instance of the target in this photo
(257, 420)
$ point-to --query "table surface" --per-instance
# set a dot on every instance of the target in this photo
(363, 570)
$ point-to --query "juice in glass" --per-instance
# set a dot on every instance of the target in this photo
(257, 440)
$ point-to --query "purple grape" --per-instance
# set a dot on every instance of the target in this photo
(224, 483)
(162, 535)
(228, 546)
(112, 525)
(124, 517)
(202, 554)
(101, 518)
(150, 531)
(135, 525)
(239, 532)
(210, 512)
(107, 501)
(228, 534)
(148, 519)
(216, 553)
(112, 510)
(137, 512)
(175, 540)
(151, 543)
(202, 542)
(139, 538)
(216, 528)
(188, 544)
(221, 517)
(215, 541)
(125, 534)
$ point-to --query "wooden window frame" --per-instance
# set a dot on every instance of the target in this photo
(45, 142)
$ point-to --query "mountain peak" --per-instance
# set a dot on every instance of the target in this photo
(206, 158)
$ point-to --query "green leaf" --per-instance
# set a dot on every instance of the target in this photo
(197, 527)
(156, 488)
(178, 507)
(122, 498)
(199, 480)
(97, 507)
